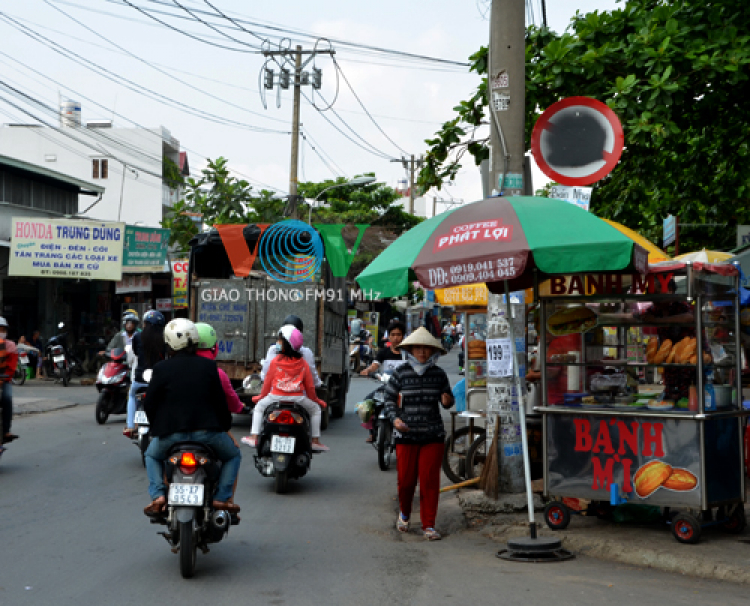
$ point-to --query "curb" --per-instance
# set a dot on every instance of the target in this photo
(719, 556)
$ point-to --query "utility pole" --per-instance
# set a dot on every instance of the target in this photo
(300, 78)
(506, 82)
(411, 165)
(295, 134)
(507, 79)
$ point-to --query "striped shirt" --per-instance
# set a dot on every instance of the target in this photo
(420, 403)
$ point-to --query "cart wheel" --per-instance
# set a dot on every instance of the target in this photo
(735, 522)
(556, 515)
(686, 528)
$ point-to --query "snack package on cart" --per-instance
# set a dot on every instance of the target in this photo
(615, 382)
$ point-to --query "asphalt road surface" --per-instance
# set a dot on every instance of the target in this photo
(72, 532)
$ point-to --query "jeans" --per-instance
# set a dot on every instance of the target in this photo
(219, 441)
(131, 402)
(6, 401)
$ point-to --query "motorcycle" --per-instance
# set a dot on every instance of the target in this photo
(57, 357)
(384, 441)
(360, 352)
(192, 473)
(113, 384)
(284, 444)
(19, 377)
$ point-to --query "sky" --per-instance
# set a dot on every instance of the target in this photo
(217, 108)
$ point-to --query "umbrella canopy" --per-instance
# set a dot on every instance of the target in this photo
(499, 239)
(705, 256)
(655, 254)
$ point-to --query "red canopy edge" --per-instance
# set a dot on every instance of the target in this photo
(723, 269)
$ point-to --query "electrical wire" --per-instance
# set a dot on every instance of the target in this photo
(319, 149)
(158, 69)
(184, 33)
(212, 27)
(329, 168)
(140, 126)
(220, 13)
(362, 105)
(133, 85)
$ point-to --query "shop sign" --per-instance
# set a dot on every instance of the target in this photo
(607, 284)
(179, 283)
(653, 461)
(470, 233)
(59, 248)
(133, 284)
(578, 196)
(164, 304)
(145, 249)
(499, 358)
(471, 294)
(669, 226)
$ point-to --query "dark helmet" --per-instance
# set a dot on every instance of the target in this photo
(294, 321)
(155, 318)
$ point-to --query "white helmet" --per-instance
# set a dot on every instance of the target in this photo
(3, 322)
(181, 333)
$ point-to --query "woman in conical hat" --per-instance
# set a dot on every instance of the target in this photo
(414, 396)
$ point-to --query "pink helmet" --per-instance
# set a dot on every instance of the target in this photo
(292, 335)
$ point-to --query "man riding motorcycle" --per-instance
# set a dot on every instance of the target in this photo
(122, 339)
(185, 402)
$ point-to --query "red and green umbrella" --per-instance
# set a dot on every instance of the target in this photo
(501, 239)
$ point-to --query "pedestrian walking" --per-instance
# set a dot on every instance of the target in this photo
(414, 396)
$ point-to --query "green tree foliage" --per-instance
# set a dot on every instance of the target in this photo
(676, 72)
(219, 198)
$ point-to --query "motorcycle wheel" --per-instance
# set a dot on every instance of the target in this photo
(337, 411)
(65, 377)
(19, 377)
(456, 449)
(384, 446)
(281, 482)
(102, 408)
(188, 550)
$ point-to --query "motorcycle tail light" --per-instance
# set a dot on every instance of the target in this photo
(188, 464)
(285, 417)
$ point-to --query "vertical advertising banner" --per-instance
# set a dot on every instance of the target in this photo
(59, 248)
(179, 283)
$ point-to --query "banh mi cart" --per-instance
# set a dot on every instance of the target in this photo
(606, 444)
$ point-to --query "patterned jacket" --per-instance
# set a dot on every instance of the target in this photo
(420, 403)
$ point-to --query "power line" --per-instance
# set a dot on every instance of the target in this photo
(322, 159)
(362, 105)
(161, 71)
(133, 85)
(318, 148)
(209, 25)
(184, 33)
(233, 21)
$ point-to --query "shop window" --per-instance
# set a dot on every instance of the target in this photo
(100, 169)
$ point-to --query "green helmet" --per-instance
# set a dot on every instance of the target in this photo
(207, 335)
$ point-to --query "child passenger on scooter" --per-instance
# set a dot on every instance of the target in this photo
(288, 380)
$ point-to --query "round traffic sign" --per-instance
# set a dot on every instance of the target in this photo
(577, 141)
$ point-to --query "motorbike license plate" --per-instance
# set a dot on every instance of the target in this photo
(185, 494)
(58, 358)
(280, 444)
(141, 418)
(25, 359)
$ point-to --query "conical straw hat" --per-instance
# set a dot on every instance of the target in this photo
(422, 336)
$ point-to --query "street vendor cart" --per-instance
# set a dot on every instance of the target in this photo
(680, 447)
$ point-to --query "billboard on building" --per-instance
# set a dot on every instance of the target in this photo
(62, 248)
(145, 249)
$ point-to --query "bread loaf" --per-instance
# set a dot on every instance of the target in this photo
(651, 349)
(688, 351)
(663, 353)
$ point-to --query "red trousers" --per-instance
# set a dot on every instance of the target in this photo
(419, 462)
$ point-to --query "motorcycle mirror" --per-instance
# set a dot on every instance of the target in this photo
(147, 375)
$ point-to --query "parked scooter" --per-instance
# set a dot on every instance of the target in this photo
(284, 444)
(384, 441)
(19, 377)
(113, 384)
(56, 357)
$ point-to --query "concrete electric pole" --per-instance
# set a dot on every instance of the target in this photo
(411, 166)
(300, 78)
(507, 80)
(507, 74)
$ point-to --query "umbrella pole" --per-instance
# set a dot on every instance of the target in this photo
(522, 414)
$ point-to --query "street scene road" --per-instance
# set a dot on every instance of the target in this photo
(72, 531)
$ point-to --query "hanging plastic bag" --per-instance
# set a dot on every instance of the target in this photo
(459, 393)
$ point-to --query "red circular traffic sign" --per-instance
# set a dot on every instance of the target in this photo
(577, 141)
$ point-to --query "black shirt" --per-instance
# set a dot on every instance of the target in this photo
(389, 361)
(185, 394)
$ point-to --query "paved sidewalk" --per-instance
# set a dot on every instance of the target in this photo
(39, 395)
(718, 555)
